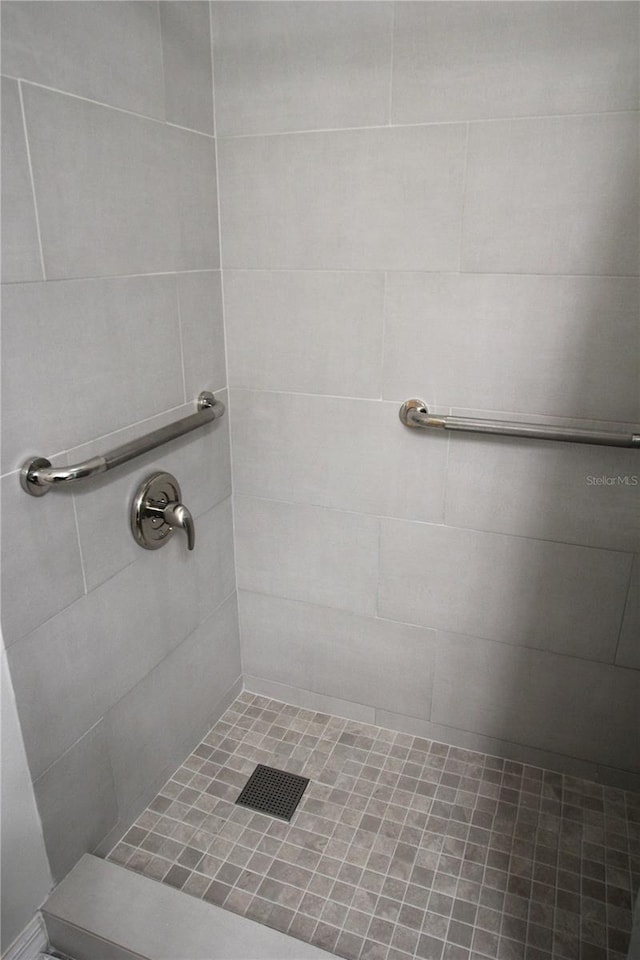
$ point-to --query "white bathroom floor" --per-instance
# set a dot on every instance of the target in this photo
(401, 847)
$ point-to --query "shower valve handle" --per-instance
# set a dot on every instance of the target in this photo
(177, 515)
(157, 510)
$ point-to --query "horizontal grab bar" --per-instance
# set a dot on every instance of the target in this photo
(37, 476)
(414, 413)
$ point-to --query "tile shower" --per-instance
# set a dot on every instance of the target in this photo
(401, 847)
(317, 211)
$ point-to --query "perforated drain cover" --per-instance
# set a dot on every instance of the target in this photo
(273, 791)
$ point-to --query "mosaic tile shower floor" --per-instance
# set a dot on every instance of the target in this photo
(401, 847)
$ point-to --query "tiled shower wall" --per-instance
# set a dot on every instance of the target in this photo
(120, 658)
(435, 200)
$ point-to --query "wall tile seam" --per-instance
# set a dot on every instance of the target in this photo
(181, 341)
(546, 651)
(513, 536)
(464, 198)
(105, 716)
(133, 810)
(10, 644)
(428, 123)
(32, 183)
(441, 630)
(68, 750)
(383, 334)
(224, 331)
(243, 268)
(367, 271)
(626, 606)
(185, 408)
(433, 523)
(79, 542)
(433, 405)
(107, 106)
(213, 74)
(99, 277)
(159, 35)
(251, 677)
(392, 46)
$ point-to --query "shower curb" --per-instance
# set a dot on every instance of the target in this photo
(102, 911)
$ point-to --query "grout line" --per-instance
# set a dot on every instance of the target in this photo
(68, 749)
(441, 405)
(225, 336)
(110, 106)
(431, 523)
(161, 51)
(464, 196)
(362, 271)
(445, 492)
(182, 366)
(32, 180)
(213, 75)
(77, 523)
(626, 605)
(427, 123)
(383, 345)
(393, 37)
(97, 278)
(436, 630)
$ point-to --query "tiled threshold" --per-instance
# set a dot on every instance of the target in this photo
(401, 847)
(102, 912)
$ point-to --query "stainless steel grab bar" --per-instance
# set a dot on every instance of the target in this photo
(414, 413)
(37, 476)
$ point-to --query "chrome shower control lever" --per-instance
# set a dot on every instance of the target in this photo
(157, 510)
(177, 515)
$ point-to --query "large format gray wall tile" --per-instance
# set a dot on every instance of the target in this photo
(556, 703)
(77, 801)
(553, 596)
(200, 461)
(301, 66)
(100, 50)
(558, 346)
(215, 574)
(71, 670)
(173, 703)
(307, 553)
(553, 491)
(201, 322)
(20, 247)
(347, 454)
(186, 59)
(305, 332)
(554, 195)
(41, 563)
(68, 348)
(375, 662)
(628, 653)
(458, 61)
(348, 200)
(117, 193)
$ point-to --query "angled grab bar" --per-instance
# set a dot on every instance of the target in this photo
(37, 476)
(414, 413)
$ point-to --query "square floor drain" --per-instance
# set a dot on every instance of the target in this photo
(273, 791)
